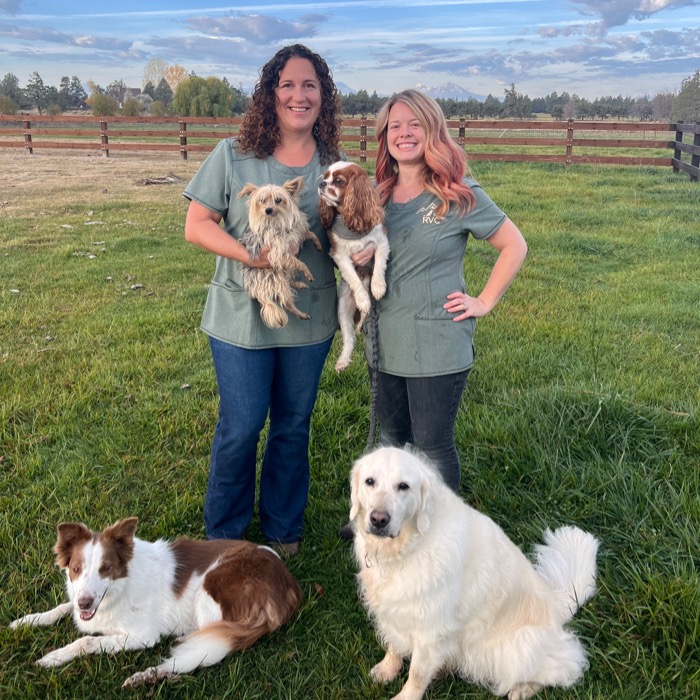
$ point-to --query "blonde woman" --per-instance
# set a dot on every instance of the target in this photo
(427, 318)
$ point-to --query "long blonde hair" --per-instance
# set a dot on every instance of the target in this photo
(445, 161)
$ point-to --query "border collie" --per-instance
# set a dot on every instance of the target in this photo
(124, 593)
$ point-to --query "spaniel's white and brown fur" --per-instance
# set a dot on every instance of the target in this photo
(351, 213)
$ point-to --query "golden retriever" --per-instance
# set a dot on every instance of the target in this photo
(446, 587)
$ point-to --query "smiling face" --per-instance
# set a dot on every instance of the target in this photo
(93, 562)
(405, 136)
(298, 94)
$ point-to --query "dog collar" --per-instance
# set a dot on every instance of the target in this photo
(341, 230)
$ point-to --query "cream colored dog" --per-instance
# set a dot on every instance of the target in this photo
(275, 222)
(448, 589)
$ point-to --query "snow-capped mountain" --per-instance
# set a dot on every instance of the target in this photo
(449, 91)
(343, 89)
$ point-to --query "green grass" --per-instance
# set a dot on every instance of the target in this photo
(582, 408)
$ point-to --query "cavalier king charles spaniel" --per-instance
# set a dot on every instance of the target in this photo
(351, 213)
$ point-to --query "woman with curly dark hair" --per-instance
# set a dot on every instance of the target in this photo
(260, 131)
(291, 129)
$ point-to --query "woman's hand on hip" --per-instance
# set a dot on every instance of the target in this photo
(465, 306)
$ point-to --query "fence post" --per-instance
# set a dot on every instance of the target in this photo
(28, 137)
(695, 158)
(569, 141)
(462, 132)
(104, 138)
(677, 151)
(183, 138)
(363, 139)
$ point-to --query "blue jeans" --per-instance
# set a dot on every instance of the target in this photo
(252, 383)
(422, 411)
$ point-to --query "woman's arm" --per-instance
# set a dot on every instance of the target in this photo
(512, 249)
(202, 228)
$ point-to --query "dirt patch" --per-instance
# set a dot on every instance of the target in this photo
(49, 178)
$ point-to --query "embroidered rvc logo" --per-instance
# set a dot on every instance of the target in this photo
(428, 214)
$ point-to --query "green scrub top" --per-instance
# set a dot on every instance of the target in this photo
(230, 315)
(416, 336)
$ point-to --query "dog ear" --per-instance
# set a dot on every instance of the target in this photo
(294, 186)
(326, 213)
(247, 190)
(423, 519)
(354, 491)
(122, 533)
(122, 530)
(361, 210)
(69, 535)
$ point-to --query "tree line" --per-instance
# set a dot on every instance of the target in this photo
(171, 90)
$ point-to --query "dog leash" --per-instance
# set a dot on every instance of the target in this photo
(373, 332)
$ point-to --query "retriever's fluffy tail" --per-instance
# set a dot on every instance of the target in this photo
(567, 562)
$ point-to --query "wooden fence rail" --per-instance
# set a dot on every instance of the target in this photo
(568, 142)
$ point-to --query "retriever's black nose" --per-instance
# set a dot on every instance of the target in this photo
(379, 518)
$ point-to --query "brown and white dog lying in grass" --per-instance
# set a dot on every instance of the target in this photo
(351, 213)
(276, 222)
(124, 593)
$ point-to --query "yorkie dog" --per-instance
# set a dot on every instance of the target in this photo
(276, 222)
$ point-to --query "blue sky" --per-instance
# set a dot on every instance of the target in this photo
(586, 47)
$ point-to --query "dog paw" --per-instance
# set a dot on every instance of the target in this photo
(364, 304)
(53, 659)
(150, 676)
(386, 670)
(523, 691)
(378, 287)
(341, 364)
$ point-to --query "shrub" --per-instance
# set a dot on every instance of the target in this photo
(103, 105)
(132, 107)
(7, 105)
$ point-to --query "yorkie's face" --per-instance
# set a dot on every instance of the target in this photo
(269, 201)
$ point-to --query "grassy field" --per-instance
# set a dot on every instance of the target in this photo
(582, 408)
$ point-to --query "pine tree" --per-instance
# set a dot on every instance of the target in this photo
(686, 105)
(36, 92)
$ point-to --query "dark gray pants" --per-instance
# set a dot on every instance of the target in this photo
(422, 411)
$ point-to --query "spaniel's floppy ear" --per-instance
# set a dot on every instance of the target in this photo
(247, 190)
(326, 213)
(294, 187)
(361, 209)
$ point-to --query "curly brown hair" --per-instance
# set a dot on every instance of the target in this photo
(260, 132)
